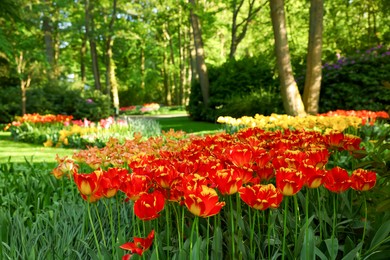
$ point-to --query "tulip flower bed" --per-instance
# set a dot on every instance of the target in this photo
(338, 120)
(253, 194)
(63, 131)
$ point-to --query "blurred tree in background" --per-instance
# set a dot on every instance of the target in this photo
(135, 52)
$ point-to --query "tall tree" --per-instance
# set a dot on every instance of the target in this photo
(111, 82)
(292, 100)
(311, 94)
(240, 28)
(90, 32)
(200, 55)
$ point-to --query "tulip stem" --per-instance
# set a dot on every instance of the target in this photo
(307, 222)
(251, 230)
(168, 220)
(194, 228)
(207, 238)
(94, 231)
(365, 219)
(232, 235)
(285, 227)
(109, 209)
(297, 219)
(100, 225)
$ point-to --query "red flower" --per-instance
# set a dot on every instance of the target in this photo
(202, 201)
(314, 176)
(149, 205)
(240, 155)
(337, 180)
(227, 180)
(363, 180)
(138, 246)
(88, 185)
(134, 185)
(261, 196)
(111, 181)
(289, 181)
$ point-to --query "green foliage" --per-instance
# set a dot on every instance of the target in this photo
(9, 103)
(59, 98)
(45, 218)
(358, 82)
(93, 105)
(230, 88)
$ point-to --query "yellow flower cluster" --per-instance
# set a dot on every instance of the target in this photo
(64, 134)
(273, 121)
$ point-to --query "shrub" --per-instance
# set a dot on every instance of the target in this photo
(358, 82)
(230, 84)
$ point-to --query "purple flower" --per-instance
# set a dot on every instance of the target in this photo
(89, 101)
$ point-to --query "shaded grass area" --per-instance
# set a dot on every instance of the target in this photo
(186, 124)
(11, 151)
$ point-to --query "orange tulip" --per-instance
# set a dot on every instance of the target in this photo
(363, 180)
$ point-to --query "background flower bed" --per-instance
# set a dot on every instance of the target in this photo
(116, 218)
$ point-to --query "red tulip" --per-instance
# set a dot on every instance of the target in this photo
(202, 201)
(363, 180)
(227, 180)
(337, 180)
(138, 246)
(88, 185)
(134, 185)
(240, 155)
(261, 196)
(149, 205)
(289, 181)
(314, 176)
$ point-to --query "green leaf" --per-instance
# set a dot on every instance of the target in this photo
(321, 255)
(308, 247)
(353, 253)
(217, 244)
(381, 235)
(333, 247)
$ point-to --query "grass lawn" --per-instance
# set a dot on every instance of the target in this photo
(187, 125)
(19, 152)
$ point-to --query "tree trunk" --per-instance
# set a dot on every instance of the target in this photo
(24, 80)
(172, 68)
(200, 56)
(164, 72)
(89, 30)
(47, 30)
(311, 94)
(111, 82)
(292, 100)
(142, 56)
(182, 61)
(83, 51)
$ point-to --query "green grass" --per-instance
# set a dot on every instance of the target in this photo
(19, 152)
(185, 124)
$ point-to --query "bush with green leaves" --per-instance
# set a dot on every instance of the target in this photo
(232, 86)
(357, 82)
